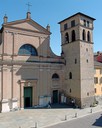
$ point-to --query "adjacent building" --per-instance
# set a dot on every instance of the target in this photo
(98, 76)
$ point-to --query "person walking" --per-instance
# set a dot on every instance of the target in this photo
(49, 105)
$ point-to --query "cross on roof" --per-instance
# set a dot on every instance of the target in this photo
(28, 6)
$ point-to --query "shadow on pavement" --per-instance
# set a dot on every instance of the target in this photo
(60, 106)
(98, 122)
(52, 106)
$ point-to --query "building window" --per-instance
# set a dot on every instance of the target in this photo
(101, 80)
(67, 37)
(88, 36)
(27, 49)
(84, 22)
(88, 94)
(70, 75)
(88, 24)
(84, 35)
(65, 26)
(100, 71)
(95, 90)
(96, 80)
(72, 23)
(87, 61)
(75, 61)
(55, 76)
(65, 62)
(70, 90)
(73, 35)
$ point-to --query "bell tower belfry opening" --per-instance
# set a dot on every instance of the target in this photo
(77, 47)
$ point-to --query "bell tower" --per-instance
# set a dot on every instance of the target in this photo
(77, 48)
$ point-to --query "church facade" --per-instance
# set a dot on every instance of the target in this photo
(32, 75)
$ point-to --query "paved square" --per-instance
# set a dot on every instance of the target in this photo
(44, 117)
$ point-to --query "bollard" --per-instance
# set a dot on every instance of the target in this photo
(91, 111)
(35, 124)
(65, 117)
(76, 115)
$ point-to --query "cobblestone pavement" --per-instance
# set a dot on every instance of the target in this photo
(29, 118)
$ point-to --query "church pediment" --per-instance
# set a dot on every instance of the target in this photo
(27, 24)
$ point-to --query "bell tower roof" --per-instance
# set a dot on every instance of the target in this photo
(79, 13)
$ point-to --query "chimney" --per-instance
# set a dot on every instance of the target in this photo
(5, 19)
(98, 52)
(28, 15)
(48, 27)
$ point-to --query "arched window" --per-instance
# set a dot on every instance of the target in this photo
(84, 22)
(27, 49)
(88, 36)
(73, 35)
(55, 76)
(84, 35)
(70, 75)
(67, 38)
(88, 24)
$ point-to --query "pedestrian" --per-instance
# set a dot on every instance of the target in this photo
(73, 102)
(49, 105)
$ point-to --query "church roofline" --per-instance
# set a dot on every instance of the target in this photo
(79, 13)
(24, 20)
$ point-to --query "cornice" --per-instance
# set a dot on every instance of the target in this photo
(26, 30)
(23, 21)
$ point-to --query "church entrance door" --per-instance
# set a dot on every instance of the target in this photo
(27, 97)
(55, 96)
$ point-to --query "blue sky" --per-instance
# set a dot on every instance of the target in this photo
(51, 12)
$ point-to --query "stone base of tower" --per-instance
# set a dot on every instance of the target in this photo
(85, 102)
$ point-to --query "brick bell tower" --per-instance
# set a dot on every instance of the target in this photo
(77, 50)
